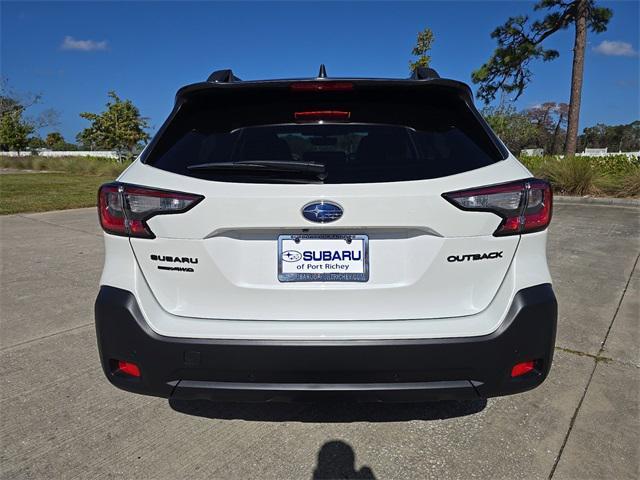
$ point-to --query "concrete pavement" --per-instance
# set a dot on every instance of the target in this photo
(59, 418)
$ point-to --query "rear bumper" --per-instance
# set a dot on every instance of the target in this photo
(380, 370)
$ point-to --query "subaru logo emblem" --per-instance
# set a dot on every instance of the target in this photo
(291, 256)
(322, 212)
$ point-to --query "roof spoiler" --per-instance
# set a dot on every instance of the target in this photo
(223, 76)
(424, 73)
(227, 76)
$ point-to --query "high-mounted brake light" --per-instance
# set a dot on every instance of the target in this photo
(321, 115)
(324, 86)
(125, 209)
(525, 206)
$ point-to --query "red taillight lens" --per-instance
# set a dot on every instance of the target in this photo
(128, 368)
(525, 206)
(321, 115)
(324, 86)
(110, 209)
(124, 209)
(522, 368)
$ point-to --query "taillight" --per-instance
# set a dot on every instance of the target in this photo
(323, 86)
(525, 206)
(321, 115)
(124, 209)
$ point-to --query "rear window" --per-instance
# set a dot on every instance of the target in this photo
(389, 137)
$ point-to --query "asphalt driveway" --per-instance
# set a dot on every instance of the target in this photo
(59, 418)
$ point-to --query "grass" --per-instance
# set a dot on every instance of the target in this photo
(40, 192)
(75, 165)
(72, 183)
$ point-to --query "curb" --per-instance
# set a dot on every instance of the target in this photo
(620, 202)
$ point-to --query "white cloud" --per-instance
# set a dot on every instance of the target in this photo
(70, 43)
(616, 49)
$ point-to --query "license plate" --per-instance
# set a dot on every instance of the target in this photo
(323, 258)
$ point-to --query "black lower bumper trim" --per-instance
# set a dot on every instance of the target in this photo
(375, 370)
(189, 389)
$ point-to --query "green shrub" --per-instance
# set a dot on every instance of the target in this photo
(534, 163)
(573, 175)
(630, 184)
(615, 164)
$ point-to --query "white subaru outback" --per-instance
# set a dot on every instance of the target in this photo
(294, 239)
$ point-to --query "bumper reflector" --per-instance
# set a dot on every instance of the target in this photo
(128, 368)
(522, 368)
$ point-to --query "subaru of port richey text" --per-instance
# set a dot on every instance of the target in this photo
(318, 238)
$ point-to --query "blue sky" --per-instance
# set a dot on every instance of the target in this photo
(74, 52)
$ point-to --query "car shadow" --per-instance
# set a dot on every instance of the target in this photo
(329, 412)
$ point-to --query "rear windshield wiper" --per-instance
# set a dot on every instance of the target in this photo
(267, 166)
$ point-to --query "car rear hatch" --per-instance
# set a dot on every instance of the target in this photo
(324, 201)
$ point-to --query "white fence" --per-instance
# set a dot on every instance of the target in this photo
(589, 152)
(532, 152)
(70, 153)
(596, 152)
(602, 152)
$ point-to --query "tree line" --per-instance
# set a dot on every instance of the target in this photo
(544, 127)
(119, 127)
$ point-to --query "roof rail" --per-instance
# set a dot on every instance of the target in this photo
(424, 73)
(223, 76)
